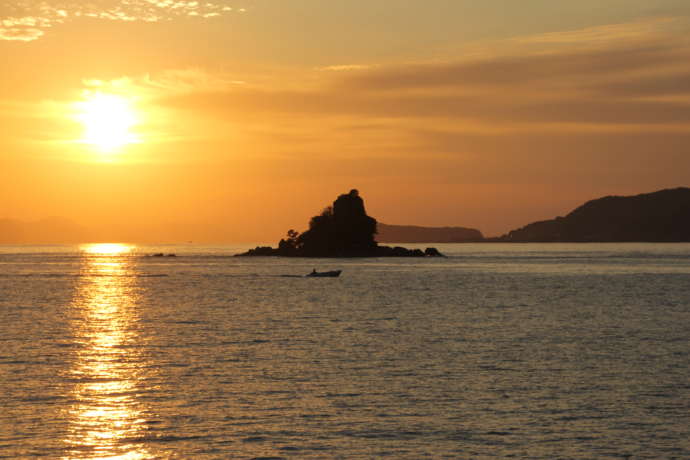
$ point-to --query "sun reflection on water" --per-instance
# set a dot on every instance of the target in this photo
(107, 420)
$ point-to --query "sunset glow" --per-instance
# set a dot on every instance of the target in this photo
(260, 229)
(231, 121)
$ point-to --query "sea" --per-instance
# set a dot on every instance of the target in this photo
(526, 351)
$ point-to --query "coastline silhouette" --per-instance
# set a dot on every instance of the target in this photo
(658, 217)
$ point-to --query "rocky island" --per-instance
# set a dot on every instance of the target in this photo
(341, 230)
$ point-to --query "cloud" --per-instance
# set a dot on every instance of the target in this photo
(28, 22)
(164, 84)
(624, 94)
(345, 67)
(552, 69)
(24, 34)
(609, 33)
(570, 115)
(638, 78)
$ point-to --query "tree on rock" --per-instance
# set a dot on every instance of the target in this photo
(343, 229)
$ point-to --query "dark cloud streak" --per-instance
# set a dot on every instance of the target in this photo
(607, 86)
(512, 70)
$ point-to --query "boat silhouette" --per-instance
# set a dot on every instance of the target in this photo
(330, 274)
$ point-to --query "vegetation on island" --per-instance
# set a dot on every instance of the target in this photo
(341, 230)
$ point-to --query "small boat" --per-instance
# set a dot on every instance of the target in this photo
(331, 274)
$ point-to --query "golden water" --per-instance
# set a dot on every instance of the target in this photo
(522, 351)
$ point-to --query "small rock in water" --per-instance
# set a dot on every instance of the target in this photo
(432, 252)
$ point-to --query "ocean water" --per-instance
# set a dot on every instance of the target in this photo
(498, 351)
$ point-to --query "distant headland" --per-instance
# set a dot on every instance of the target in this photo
(418, 234)
(341, 230)
(658, 217)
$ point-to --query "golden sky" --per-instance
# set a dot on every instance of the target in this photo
(235, 120)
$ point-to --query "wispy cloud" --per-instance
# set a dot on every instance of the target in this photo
(24, 34)
(30, 21)
(638, 83)
(620, 108)
(165, 84)
(345, 67)
(626, 32)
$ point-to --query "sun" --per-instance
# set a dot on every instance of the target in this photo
(108, 121)
(109, 249)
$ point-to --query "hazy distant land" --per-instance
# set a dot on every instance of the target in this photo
(52, 230)
(417, 234)
(661, 216)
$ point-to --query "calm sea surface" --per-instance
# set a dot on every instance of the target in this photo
(498, 351)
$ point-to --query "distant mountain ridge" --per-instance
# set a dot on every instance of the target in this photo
(662, 216)
(418, 234)
(51, 230)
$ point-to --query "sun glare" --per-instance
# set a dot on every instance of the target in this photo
(108, 120)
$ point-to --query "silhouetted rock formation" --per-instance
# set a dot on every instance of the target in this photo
(341, 230)
(662, 216)
(414, 234)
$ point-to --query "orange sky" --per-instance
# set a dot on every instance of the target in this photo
(251, 116)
